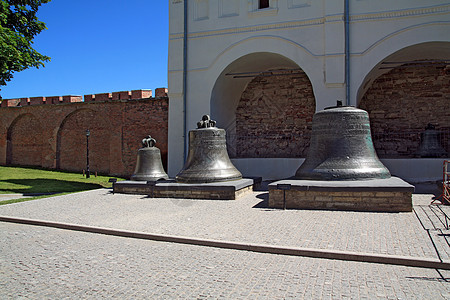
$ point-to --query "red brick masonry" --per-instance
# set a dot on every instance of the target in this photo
(53, 136)
(403, 101)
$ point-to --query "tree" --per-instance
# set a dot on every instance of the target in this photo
(18, 26)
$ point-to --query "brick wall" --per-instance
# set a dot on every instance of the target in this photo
(53, 136)
(403, 101)
(378, 201)
(71, 146)
(274, 116)
(26, 140)
(140, 121)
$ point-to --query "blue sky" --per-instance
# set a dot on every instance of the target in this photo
(97, 46)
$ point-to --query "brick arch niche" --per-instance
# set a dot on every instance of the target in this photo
(24, 141)
(265, 102)
(71, 142)
(274, 115)
(413, 91)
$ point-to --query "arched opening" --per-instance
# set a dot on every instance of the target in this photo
(265, 102)
(24, 141)
(71, 142)
(403, 93)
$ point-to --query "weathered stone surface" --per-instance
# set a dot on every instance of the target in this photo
(402, 102)
(274, 115)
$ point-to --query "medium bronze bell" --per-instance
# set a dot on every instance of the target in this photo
(148, 165)
(341, 147)
(430, 146)
(208, 159)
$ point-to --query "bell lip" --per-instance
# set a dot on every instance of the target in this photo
(190, 177)
(202, 180)
(343, 174)
(226, 174)
(142, 177)
(341, 178)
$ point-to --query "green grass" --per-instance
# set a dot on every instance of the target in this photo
(31, 181)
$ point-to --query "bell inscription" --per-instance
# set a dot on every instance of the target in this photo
(341, 147)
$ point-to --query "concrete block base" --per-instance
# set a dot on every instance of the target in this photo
(377, 195)
(228, 190)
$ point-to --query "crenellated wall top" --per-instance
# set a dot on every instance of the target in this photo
(101, 97)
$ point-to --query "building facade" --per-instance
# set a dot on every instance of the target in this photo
(261, 69)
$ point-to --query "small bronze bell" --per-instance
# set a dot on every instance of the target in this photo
(341, 147)
(208, 159)
(149, 166)
(430, 146)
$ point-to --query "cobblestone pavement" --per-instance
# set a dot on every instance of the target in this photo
(43, 263)
(247, 220)
(435, 222)
(46, 263)
(4, 197)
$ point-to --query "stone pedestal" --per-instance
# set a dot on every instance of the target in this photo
(376, 195)
(229, 190)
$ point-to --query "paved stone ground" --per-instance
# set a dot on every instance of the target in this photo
(244, 220)
(46, 263)
(4, 197)
(38, 262)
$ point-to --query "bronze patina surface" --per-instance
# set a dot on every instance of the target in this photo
(148, 165)
(208, 159)
(341, 147)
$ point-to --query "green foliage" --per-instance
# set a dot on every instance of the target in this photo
(18, 26)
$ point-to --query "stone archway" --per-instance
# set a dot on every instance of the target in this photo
(264, 100)
(408, 90)
(71, 142)
(24, 141)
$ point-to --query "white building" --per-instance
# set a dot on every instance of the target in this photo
(217, 48)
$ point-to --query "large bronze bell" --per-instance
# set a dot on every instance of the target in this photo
(430, 146)
(207, 159)
(149, 166)
(341, 147)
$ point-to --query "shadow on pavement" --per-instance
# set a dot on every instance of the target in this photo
(265, 201)
(434, 188)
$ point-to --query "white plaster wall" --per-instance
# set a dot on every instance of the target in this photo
(412, 170)
(390, 36)
(304, 33)
(268, 168)
(416, 170)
